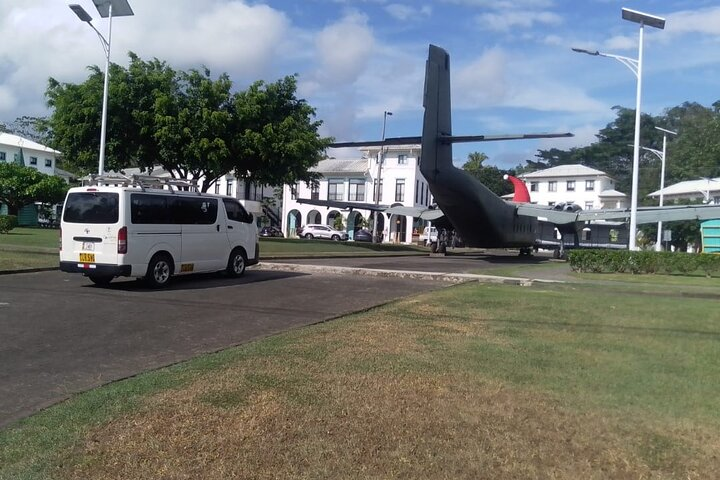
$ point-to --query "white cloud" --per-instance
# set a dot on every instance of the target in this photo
(407, 13)
(344, 49)
(482, 82)
(705, 21)
(505, 21)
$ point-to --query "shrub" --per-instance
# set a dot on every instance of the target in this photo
(7, 223)
(620, 261)
(708, 263)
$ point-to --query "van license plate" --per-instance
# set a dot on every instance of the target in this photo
(87, 257)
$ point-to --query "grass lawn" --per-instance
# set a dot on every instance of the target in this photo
(473, 381)
(38, 248)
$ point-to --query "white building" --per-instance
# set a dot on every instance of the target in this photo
(16, 149)
(21, 151)
(706, 190)
(401, 183)
(587, 187)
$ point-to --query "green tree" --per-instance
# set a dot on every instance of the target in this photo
(489, 175)
(275, 139)
(189, 123)
(20, 186)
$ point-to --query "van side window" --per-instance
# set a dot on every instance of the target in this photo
(235, 211)
(196, 210)
(150, 209)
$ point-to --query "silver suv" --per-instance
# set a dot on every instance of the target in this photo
(313, 230)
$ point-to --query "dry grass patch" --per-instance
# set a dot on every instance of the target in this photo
(392, 393)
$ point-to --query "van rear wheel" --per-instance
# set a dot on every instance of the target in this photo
(159, 271)
(236, 264)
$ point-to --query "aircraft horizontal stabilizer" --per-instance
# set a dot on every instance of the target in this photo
(644, 214)
(449, 139)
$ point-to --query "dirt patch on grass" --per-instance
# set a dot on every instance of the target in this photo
(312, 411)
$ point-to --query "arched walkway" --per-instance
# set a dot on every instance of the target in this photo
(332, 215)
(355, 222)
(294, 221)
(314, 217)
(398, 228)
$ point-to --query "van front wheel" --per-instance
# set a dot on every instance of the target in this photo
(236, 264)
(159, 271)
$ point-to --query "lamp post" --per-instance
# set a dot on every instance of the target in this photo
(635, 65)
(661, 156)
(381, 158)
(106, 9)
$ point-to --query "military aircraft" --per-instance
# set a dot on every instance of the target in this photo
(464, 204)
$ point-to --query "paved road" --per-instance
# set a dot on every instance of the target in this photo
(453, 263)
(60, 335)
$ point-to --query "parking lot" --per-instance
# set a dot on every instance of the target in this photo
(60, 334)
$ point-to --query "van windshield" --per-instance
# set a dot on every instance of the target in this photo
(91, 207)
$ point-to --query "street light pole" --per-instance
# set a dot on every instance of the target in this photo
(661, 156)
(381, 158)
(636, 67)
(106, 9)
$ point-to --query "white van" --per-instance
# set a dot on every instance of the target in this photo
(154, 233)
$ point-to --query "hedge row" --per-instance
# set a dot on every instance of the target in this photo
(625, 261)
(7, 223)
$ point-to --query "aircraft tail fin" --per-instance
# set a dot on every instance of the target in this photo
(436, 155)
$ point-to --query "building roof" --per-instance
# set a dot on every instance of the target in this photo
(333, 165)
(564, 171)
(20, 142)
(690, 187)
(611, 193)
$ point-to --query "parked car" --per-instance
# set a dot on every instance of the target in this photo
(313, 230)
(363, 235)
(429, 235)
(271, 232)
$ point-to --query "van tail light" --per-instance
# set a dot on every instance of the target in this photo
(122, 240)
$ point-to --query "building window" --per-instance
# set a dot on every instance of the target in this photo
(400, 190)
(357, 190)
(552, 186)
(402, 159)
(589, 185)
(293, 192)
(2, 156)
(217, 188)
(336, 190)
(571, 185)
(33, 160)
(378, 197)
(48, 162)
(589, 205)
(533, 186)
(229, 191)
(315, 191)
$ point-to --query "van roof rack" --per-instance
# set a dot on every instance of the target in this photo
(144, 181)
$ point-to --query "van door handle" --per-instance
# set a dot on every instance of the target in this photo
(218, 227)
(230, 227)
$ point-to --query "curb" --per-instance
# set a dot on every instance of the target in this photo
(446, 277)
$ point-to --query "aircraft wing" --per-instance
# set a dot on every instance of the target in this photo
(418, 212)
(344, 205)
(644, 214)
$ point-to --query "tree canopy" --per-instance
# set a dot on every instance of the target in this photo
(20, 186)
(188, 122)
(490, 175)
(691, 154)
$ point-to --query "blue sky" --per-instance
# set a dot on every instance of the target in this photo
(511, 63)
